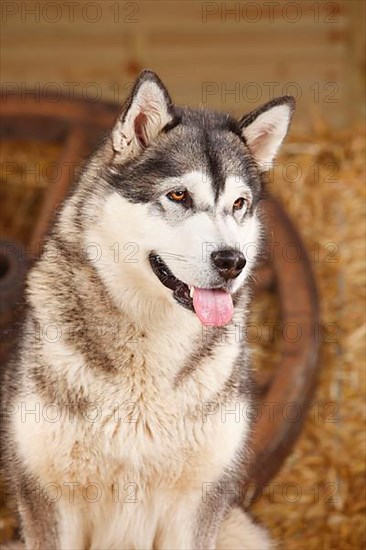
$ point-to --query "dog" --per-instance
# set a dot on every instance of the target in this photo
(117, 431)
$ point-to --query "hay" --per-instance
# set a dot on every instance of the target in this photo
(25, 166)
(316, 501)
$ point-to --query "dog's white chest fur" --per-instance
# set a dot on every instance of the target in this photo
(143, 442)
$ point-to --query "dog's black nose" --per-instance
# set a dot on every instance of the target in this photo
(229, 262)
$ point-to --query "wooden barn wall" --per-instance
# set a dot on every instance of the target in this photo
(225, 55)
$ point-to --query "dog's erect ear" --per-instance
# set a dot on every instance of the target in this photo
(265, 128)
(147, 110)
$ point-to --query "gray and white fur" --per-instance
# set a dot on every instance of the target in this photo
(114, 432)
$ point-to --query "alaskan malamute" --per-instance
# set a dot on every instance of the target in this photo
(126, 405)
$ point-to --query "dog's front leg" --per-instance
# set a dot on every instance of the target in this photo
(208, 522)
(71, 527)
(206, 532)
(187, 525)
(176, 525)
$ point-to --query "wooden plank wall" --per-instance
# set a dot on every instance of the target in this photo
(224, 55)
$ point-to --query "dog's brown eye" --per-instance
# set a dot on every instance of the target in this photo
(239, 203)
(178, 196)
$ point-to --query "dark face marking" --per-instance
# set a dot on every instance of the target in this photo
(201, 141)
(215, 166)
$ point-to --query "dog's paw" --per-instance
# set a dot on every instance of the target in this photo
(239, 532)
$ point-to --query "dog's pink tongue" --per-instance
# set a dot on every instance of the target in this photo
(213, 307)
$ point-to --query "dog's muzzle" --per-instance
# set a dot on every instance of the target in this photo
(213, 306)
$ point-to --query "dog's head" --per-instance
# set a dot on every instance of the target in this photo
(185, 185)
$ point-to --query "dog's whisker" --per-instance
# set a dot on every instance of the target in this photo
(171, 256)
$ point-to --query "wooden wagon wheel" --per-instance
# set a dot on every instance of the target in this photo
(79, 125)
(288, 391)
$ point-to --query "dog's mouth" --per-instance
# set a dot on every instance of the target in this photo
(213, 306)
